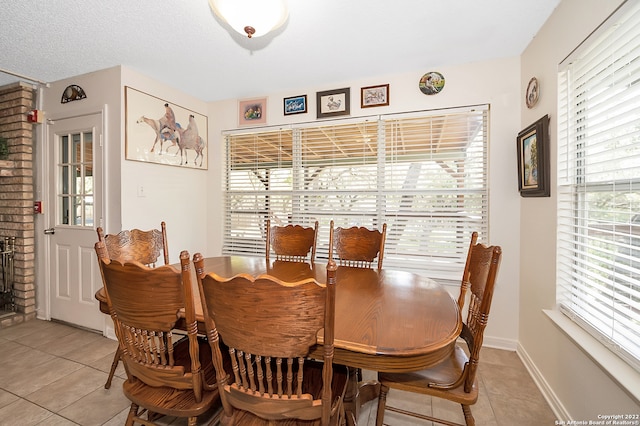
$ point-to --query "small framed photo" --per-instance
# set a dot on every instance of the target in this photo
(374, 96)
(533, 160)
(333, 102)
(295, 105)
(252, 112)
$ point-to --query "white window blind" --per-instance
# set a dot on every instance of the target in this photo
(598, 266)
(423, 174)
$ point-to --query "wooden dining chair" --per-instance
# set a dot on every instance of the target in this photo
(134, 245)
(268, 328)
(357, 246)
(142, 246)
(455, 378)
(292, 242)
(165, 372)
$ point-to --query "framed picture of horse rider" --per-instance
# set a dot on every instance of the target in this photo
(159, 131)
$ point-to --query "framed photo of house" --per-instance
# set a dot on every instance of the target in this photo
(330, 103)
(159, 131)
(295, 105)
(533, 160)
(252, 112)
(374, 96)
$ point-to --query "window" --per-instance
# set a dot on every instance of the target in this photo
(598, 266)
(75, 176)
(424, 174)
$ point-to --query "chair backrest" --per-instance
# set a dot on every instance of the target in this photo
(357, 246)
(144, 304)
(269, 327)
(478, 279)
(136, 245)
(292, 242)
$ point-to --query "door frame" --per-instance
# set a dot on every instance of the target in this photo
(46, 168)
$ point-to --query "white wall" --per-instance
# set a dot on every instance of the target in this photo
(493, 82)
(578, 387)
(174, 194)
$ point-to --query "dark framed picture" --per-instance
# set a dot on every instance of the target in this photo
(333, 102)
(295, 105)
(373, 96)
(533, 160)
(252, 112)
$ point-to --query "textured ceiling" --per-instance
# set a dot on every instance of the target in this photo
(323, 42)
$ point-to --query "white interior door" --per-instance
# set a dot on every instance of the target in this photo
(74, 188)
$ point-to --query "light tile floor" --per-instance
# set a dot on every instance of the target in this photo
(53, 374)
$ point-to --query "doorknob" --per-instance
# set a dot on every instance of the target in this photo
(50, 231)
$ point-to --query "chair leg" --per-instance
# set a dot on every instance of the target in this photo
(114, 365)
(382, 403)
(133, 412)
(342, 418)
(468, 417)
(152, 417)
(192, 421)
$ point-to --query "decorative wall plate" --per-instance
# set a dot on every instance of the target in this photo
(72, 93)
(431, 83)
(533, 93)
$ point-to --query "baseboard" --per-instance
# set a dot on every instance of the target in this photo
(500, 343)
(109, 331)
(556, 405)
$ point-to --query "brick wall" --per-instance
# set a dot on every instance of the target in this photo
(17, 194)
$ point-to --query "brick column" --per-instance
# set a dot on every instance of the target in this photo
(17, 194)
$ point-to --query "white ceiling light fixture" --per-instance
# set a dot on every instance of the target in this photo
(253, 18)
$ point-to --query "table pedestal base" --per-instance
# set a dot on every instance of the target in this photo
(358, 394)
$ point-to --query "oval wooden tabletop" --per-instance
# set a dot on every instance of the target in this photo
(399, 316)
(386, 320)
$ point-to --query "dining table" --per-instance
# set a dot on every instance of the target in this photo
(386, 320)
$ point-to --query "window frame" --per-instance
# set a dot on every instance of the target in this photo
(382, 189)
(597, 284)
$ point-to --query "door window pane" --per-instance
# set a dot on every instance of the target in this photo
(75, 179)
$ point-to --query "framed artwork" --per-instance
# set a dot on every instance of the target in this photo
(374, 96)
(333, 102)
(252, 112)
(533, 160)
(295, 105)
(159, 131)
